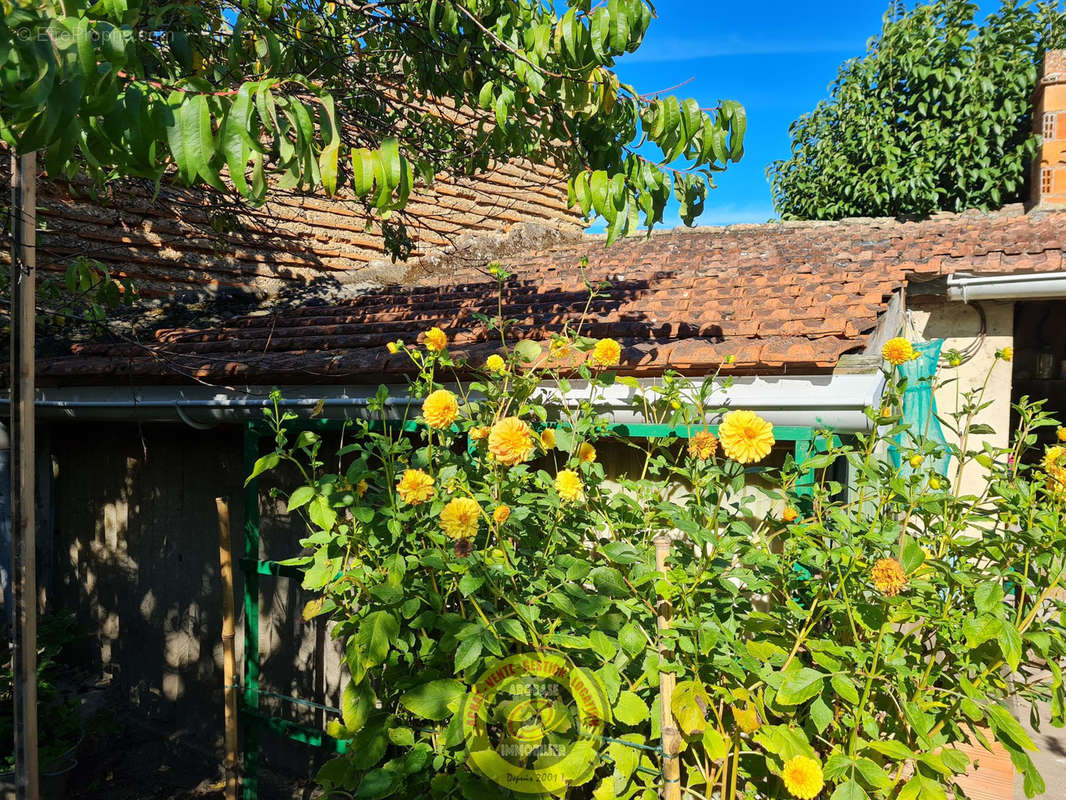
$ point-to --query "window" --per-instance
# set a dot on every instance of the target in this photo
(1049, 125)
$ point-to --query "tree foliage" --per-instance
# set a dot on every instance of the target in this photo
(936, 116)
(368, 95)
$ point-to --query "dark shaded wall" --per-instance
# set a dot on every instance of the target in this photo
(136, 552)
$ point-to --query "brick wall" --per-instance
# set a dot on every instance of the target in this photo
(196, 242)
(1049, 120)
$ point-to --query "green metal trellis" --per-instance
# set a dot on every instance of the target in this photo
(254, 721)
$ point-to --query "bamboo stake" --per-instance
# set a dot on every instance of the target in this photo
(229, 653)
(671, 737)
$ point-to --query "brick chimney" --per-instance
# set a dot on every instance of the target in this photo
(1049, 120)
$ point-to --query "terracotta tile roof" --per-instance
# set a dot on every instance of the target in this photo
(781, 296)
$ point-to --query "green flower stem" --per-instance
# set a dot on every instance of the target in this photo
(853, 739)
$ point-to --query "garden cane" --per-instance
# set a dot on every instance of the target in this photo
(670, 735)
(229, 656)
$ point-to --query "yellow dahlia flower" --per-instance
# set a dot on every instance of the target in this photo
(436, 340)
(898, 351)
(702, 445)
(803, 777)
(511, 441)
(547, 438)
(586, 453)
(1007, 354)
(440, 409)
(501, 514)
(478, 433)
(459, 519)
(495, 363)
(746, 437)
(415, 487)
(568, 485)
(889, 577)
(606, 353)
(393, 347)
(1053, 458)
(1061, 434)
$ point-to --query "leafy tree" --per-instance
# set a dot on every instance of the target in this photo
(936, 116)
(369, 94)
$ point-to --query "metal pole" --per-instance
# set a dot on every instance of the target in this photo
(23, 495)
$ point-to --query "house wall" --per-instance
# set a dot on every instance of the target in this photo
(960, 325)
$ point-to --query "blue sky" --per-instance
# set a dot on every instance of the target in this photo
(776, 58)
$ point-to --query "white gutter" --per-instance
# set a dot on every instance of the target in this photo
(835, 402)
(968, 288)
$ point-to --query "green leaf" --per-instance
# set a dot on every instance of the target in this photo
(632, 639)
(300, 497)
(913, 555)
(715, 744)
(630, 709)
(356, 702)
(608, 581)
(267, 462)
(467, 653)
(980, 630)
(377, 632)
(849, 790)
(528, 350)
(844, 688)
(1007, 726)
(1033, 783)
(821, 714)
(891, 748)
(403, 737)
(377, 783)
(363, 166)
(470, 583)
(626, 759)
(321, 512)
(513, 628)
(800, 686)
(236, 141)
(988, 597)
(689, 705)
(1010, 644)
(873, 773)
(434, 700)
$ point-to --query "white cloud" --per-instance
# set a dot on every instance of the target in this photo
(683, 48)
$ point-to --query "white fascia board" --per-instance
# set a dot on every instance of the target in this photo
(832, 402)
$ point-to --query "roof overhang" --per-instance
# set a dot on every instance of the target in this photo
(835, 402)
(1030, 286)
